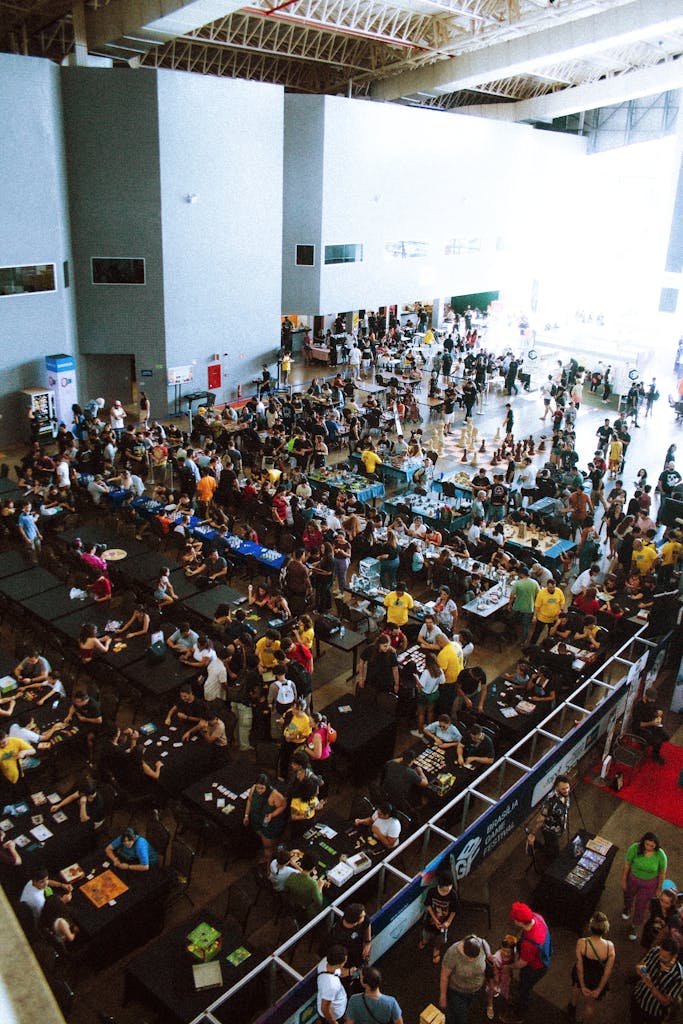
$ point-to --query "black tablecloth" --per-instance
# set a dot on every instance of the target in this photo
(562, 903)
(135, 917)
(160, 678)
(12, 562)
(142, 568)
(203, 603)
(26, 584)
(70, 840)
(54, 603)
(93, 533)
(162, 975)
(237, 779)
(365, 735)
(501, 692)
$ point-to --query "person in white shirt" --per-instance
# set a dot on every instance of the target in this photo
(281, 868)
(62, 478)
(332, 997)
(383, 825)
(474, 532)
(216, 680)
(97, 487)
(303, 489)
(333, 522)
(417, 528)
(25, 729)
(33, 893)
(587, 578)
(117, 415)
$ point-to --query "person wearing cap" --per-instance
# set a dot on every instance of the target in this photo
(117, 415)
(131, 852)
(534, 938)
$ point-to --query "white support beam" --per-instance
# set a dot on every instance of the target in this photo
(607, 93)
(565, 41)
(156, 20)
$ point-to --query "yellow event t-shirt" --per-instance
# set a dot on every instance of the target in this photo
(548, 606)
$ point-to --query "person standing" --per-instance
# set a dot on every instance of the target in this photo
(595, 956)
(535, 951)
(660, 983)
(522, 597)
(554, 816)
(372, 1006)
(548, 604)
(463, 971)
(642, 878)
(332, 999)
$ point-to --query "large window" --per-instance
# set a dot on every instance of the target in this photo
(462, 246)
(352, 252)
(20, 280)
(305, 255)
(118, 270)
(405, 250)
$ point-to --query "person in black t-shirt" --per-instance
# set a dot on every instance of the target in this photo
(647, 723)
(88, 715)
(440, 907)
(378, 666)
(354, 934)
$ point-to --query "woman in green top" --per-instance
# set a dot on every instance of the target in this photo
(265, 813)
(644, 872)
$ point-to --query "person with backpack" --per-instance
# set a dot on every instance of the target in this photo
(281, 696)
(535, 951)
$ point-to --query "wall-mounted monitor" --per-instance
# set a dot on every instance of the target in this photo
(118, 270)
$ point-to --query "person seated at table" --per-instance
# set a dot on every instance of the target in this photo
(429, 631)
(446, 611)
(588, 637)
(34, 894)
(32, 669)
(541, 689)
(304, 794)
(55, 921)
(191, 554)
(587, 602)
(303, 888)
(90, 557)
(91, 809)
(397, 638)
(259, 596)
(24, 728)
(137, 625)
(521, 676)
(403, 779)
(383, 825)
(476, 748)
(89, 643)
(131, 852)
(201, 654)
(88, 714)
(474, 586)
(417, 528)
(188, 708)
(183, 640)
(304, 631)
(442, 733)
(561, 628)
(164, 594)
(284, 863)
(433, 536)
(212, 731)
(213, 569)
(9, 855)
(101, 589)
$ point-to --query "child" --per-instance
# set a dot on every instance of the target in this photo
(440, 906)
(501, 964)
(521, 677)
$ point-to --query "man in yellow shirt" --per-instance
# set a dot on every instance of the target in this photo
(370, 460)
(12, 751)
(643, 558)
(265, 650)
(398, 603)
(451, 663)
(669, 557)
(547, 607)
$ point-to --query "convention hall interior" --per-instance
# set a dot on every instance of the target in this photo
(341, 513)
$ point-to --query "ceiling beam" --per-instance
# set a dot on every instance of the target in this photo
(523, 55)
(606, 93)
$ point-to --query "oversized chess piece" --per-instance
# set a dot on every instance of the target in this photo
(482, 446)
(464, 456)
(496, 436)
(531, 445)
(495, 458)
(525, 445)
(474, 461)
(518, 452)
(541, 446)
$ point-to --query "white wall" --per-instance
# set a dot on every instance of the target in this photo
(221, 140)
(34, 229)
(395, 173)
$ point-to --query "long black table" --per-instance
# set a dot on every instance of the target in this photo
(12, 562)
(162, 975)
(502, 697)
(563, 903)
(365, 735)
(132, 918)
(159, 678)
(52, 604)
(25, 584)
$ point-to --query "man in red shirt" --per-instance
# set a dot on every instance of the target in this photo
(534, 939)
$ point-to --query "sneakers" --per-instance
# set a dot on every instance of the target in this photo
(633, 934)
(625, 915)
(416, 732)
(489, 1012)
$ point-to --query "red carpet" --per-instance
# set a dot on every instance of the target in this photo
(655, 786)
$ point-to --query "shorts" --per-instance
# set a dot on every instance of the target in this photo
(448, 417)
(426, 699)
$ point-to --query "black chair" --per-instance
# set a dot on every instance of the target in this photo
(471, 902)
(158, 835)
(238, 907)
(180, 865)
